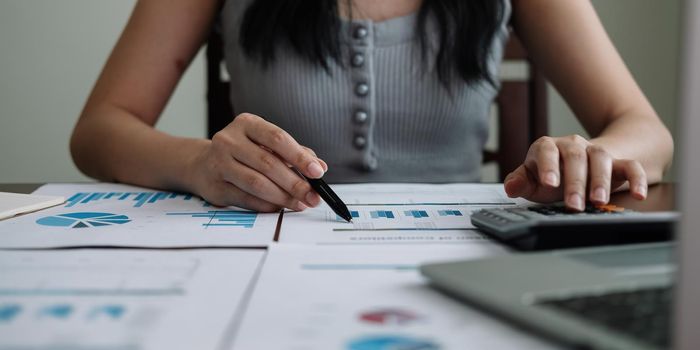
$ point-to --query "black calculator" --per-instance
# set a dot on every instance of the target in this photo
(543, 227)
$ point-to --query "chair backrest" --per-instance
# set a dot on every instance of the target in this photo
(219, 108)
(522, 111)
(522, 104)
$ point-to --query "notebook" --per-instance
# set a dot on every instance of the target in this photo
(12, 204)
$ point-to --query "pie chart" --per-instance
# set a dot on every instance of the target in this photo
(83, 220)
(389, 316)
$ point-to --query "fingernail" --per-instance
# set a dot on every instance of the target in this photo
(551, 179)
(310, 198)
(575, 201)
(301, 206)
(315, 170)
(599, 195)
(641, 189)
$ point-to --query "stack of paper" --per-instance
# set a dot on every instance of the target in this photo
(12, 204)
(326, 284)
(128, 216)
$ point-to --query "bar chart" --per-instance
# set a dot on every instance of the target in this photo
(228, 218)
(122, 215)
(139, 199)
(403, 218)
(120, 298)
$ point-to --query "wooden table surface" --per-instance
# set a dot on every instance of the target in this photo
(19, 187)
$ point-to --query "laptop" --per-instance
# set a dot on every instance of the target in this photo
(615, 297)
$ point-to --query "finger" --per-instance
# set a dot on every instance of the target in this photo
(274, 169)
(545, 154)
(281, 143)
(522, 183)
(228, 194)
(310, 151)
(575, 166)
(600, 174)
(259, 185)
(519, 184)
(633, 172)
(323, 164)
(289, 165)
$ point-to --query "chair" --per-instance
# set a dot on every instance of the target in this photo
(521, 105)
(522, 112)
(219, 109)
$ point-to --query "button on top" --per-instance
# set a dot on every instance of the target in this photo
(360, 117)
(358, 60)
(360, 32)
(371, 164)
(360, 142)
(362, 89)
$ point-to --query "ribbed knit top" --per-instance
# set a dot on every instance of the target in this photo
(380, 116)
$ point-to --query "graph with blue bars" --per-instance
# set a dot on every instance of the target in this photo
(9, 312)
(59, 311)
(375, 214)
(353, 213)
(109, 311)
(139, 199)
(232, 218)
(416, 213)
(449, 213)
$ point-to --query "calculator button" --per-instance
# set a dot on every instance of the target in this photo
(610, 208)
(510, 216)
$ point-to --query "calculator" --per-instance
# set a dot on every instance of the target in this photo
(543, 227)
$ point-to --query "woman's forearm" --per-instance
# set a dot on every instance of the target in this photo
(644, 139)
(114, 145)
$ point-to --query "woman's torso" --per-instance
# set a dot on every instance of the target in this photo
(381, 116)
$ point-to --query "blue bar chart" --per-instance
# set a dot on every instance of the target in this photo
(416, 213)
(9, 312)
(232, 218)
(118, 299)
(58, 311)
(449, 212)
(139, 198)
(375, 214)
(128, 216)
(353, 214)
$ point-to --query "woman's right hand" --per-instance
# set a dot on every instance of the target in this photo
(247, 164)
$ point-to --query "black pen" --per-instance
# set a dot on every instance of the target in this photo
(332, 199)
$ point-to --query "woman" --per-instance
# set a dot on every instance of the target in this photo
(392, 90)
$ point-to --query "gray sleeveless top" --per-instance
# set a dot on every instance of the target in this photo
(382, 115)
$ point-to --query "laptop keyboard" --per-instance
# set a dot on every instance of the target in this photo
(641, 314)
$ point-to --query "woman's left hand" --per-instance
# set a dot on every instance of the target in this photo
(574, 170)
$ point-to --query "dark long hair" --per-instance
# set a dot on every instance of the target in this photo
(466, 29)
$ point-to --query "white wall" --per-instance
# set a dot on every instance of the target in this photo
(647, 35)
(52, 51)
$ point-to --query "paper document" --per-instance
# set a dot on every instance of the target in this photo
(121, 299)
(369, 297)
(12, 204)
(127, 216)
(396, 213)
